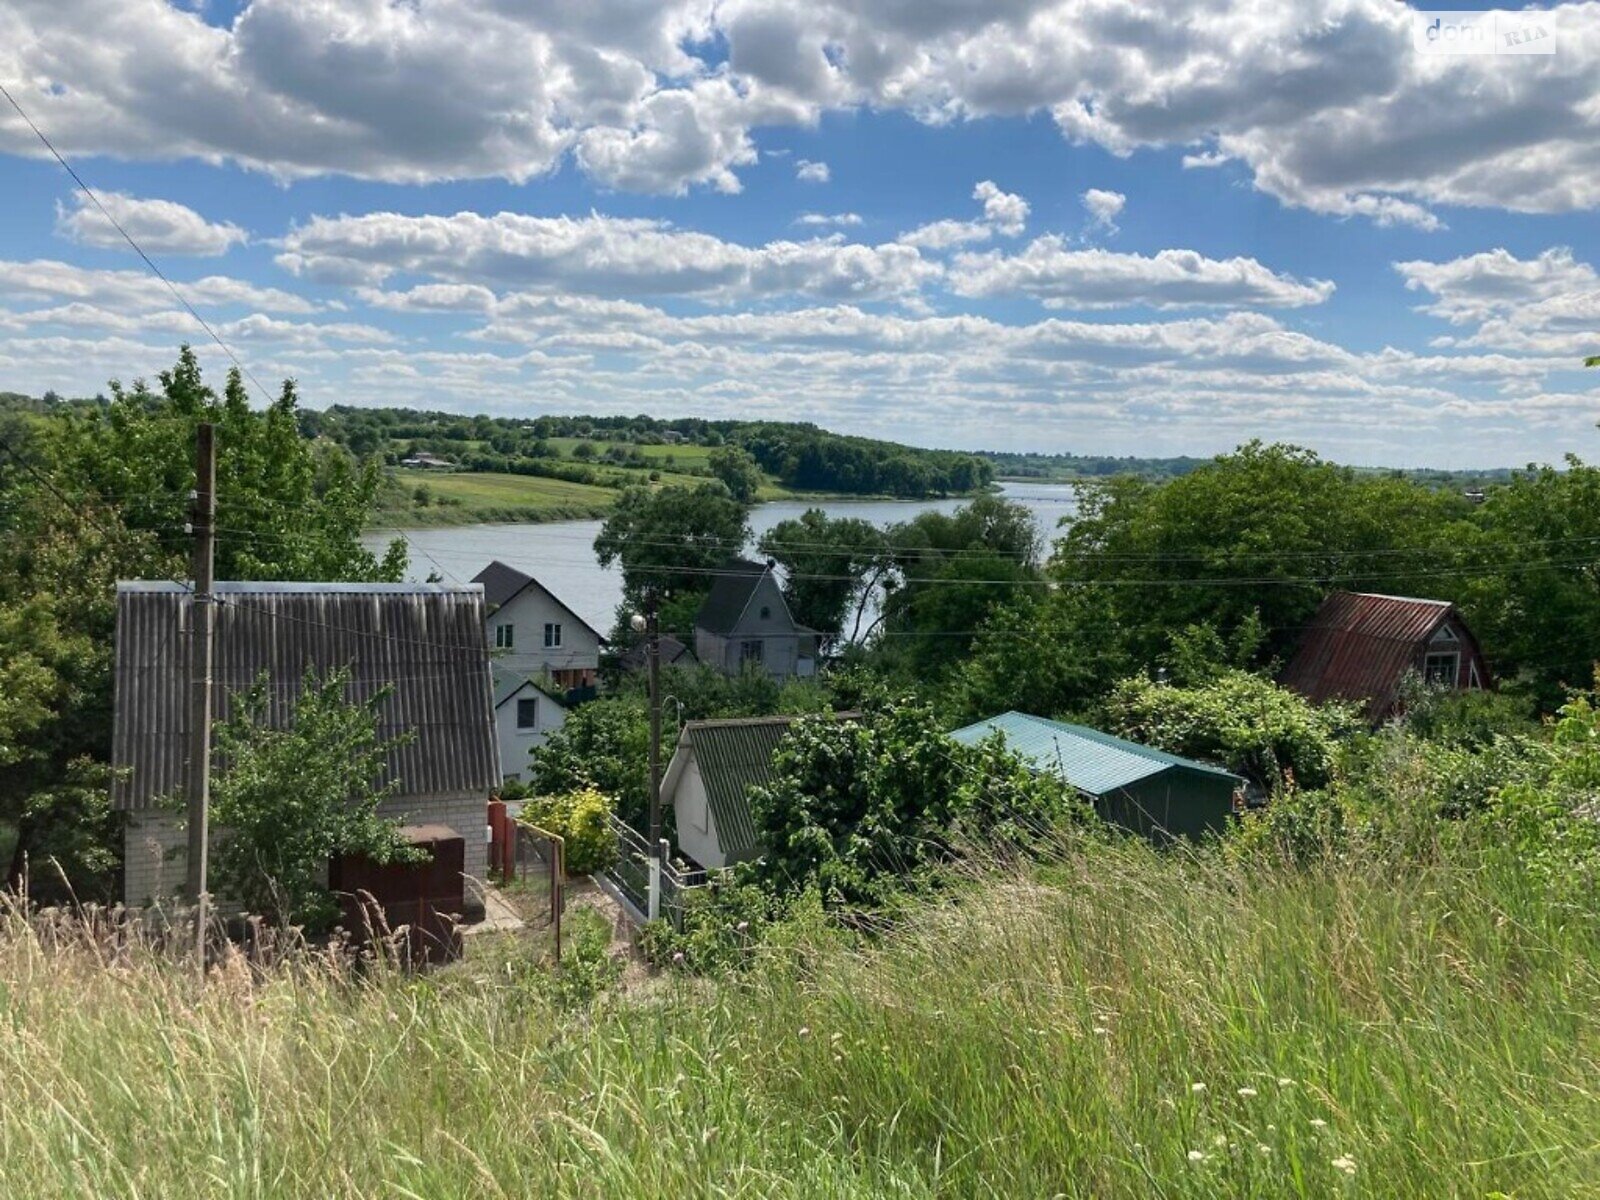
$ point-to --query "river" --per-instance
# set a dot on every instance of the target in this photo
(560, 554)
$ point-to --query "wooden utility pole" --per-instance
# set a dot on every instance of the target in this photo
(201, 614)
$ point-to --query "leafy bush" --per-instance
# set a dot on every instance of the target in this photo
(860, 809)
(721, 925)
(579, 819)
(1242, 721)
(588, 968)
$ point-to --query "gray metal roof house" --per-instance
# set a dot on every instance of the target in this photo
(745, 623)
(1140, 788)
(425, 640)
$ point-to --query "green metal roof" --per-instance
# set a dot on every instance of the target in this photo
(735, 756)
(1091, 761)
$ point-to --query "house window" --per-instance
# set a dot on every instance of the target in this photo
(552, 635)
(1442, 669)
(750, 651)
(766, 612)
(503, 636)
(528, 713)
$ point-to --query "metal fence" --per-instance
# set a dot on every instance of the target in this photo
(630, 865)
(630, 873)
(541, 870)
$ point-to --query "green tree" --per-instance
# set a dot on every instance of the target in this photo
(861, 809)
(287, 507)
(604, 744)
(952, 571)
(737, 471)
(1533, 595)
(670, 542)
(289, 797)
(1260, 535)
(1054, 654)
(829, 565)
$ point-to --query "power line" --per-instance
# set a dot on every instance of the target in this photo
(127, 237)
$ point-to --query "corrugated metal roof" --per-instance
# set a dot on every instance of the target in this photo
(729, 595)
(425, 639)
(735, 756)
(1360, 645)
(1093, 762)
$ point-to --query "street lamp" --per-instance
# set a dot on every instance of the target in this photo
(647, 624)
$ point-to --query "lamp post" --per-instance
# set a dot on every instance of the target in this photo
(648, 624)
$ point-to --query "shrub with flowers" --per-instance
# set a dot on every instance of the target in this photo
(578, 817)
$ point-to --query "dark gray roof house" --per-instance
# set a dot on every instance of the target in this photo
(426, 641)
(745, 622)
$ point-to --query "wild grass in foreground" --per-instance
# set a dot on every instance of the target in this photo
(1117, 1024)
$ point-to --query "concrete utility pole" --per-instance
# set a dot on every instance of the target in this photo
(649, 625)
(654, 648)
(202, 613)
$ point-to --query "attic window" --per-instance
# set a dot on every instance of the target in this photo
(766, 612)
(1442, 669)
(1446, 634)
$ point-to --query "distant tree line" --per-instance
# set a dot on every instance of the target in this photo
(801, 456)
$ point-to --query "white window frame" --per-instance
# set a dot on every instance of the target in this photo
(552, 635)
(505, 636)
(1454, 658)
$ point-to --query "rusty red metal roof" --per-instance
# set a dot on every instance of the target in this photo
(1360, 645)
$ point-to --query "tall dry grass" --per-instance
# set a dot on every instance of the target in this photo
(1117, 1024)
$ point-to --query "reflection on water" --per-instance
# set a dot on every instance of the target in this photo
(561, 553)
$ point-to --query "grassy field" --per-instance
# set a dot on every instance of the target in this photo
(1118, 1024)
(464, 498)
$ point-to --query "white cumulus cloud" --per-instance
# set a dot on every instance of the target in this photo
(807, 171)
(1061, 278)
(159, 226)
(1006, 212)
(1103, 207)
(596, 255)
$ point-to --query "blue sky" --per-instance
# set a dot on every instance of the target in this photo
(1067, 225)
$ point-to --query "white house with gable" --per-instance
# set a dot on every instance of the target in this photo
(531, 631)
(525, 715)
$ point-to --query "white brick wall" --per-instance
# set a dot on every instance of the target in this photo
(155, 845)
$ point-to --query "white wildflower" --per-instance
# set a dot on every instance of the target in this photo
(1196, 1156)
(1346, 1164)
(1247, 1092)
(1318, 1123)
(1197, 1088)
